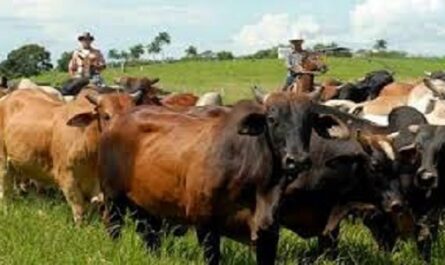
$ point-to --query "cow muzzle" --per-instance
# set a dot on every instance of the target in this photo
(426, 179)
(296, 164)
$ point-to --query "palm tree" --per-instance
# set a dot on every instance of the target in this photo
(191, 52)
(136, 51)
(154, 48)
(381, 45)
(162, 39)
(113, 54)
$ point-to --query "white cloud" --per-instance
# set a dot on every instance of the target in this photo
(273, 29)
(406, 23)
(56, 23)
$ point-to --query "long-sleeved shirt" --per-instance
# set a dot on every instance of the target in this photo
(294, 59)
(86, 62)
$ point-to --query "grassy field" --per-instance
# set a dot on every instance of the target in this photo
(234, 78)
(38, 230)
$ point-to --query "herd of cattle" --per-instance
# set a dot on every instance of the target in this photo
(303, 161)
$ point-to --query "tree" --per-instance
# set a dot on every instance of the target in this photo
(136, 51)
(26, 61)
(191, 52)
(164, 38)
(225, 55)
(154, 48)
(207, 55)
(64, 60)
(271, 53)
(114, 54)
(381, 45)
(124, 55)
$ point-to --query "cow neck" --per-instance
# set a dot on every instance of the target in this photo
(242, 159)
(305, 83)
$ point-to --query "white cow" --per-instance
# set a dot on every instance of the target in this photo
(210, 99)
(28, 84)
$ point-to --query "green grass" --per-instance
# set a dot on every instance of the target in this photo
(234, 78)
(38, 230)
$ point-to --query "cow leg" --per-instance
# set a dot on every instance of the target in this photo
(382, 230)
(266, 245)
(328, 244)
(147, 226)
(74, 197)
(113, 216)
(427, 233)
(210, 240)
(6, 182)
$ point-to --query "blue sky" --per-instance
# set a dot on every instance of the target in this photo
(241, 26)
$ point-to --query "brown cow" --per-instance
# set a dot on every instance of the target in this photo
(40, 139)
(203, 166)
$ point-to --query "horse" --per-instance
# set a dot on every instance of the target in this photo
(312, 65)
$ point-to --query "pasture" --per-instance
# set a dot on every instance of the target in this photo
(39, 230)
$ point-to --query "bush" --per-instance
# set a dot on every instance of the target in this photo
(26, 61)
(64, 60)
(224, 55)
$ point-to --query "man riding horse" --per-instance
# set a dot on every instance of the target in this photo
(85, 66)
(302, 66)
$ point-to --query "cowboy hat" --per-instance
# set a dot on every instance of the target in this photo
(85, 36)
(296, 41)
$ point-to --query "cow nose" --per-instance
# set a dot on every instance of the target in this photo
(290, 162)
(306, 162)
(427, 179)
(396, 206)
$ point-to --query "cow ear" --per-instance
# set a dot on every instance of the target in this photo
(364, 141)
(408, 154)
(340, 160)
(339, 212)
(328, 126)
(253, 124)
(82, 119)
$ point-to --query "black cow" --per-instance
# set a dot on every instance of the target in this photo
(347, 175)
(437, 75)
(421, 169)
(424, 182)
(368, 88)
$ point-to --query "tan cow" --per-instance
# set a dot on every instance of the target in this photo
(397, 95)
(56, 143)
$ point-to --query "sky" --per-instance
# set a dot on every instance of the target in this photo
(241, 26)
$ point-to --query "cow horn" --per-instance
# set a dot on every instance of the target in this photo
(93, 99)
(154, 81)
(414, 128)
(430, 85)
(316, 94)
(341, 86)
(136, 96)
(259, 94)
(393, 136)
(388, 149)
(407, 147)
(428, 74)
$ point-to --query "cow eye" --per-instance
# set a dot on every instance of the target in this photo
(106, 117)
(271, 120)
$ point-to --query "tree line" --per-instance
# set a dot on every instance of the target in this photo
(33, 59)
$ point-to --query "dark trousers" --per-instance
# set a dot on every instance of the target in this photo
(73, 86)
(291, 76)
